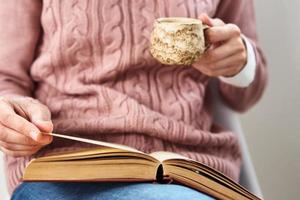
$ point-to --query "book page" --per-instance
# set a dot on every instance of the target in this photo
(164, 155)
(95, 142)
(103, 149)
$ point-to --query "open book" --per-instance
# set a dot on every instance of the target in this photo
(113, 163)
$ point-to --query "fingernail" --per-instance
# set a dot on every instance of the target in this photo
(34, 135)
(42, 121)
(47, 126)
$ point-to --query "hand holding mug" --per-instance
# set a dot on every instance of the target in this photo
(184, 41)
(227, 54)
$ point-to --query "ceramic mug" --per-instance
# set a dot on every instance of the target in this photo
(177, 40)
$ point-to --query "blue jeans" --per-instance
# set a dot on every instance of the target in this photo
(105, 191)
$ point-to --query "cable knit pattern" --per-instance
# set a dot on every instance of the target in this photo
(92, 67)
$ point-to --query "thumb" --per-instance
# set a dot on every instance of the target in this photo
(210, 21)
(44, 126)
(41, 118)
(39, 115)
(206, 19)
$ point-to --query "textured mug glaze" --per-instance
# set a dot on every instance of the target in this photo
(177, 40)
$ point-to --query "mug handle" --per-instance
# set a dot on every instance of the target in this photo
(205, 27)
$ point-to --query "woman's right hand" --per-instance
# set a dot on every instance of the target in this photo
(22, 121)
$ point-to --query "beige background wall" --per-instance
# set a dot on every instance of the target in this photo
(273, 126)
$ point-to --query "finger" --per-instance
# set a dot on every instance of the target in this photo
(19, 147)
(37, 113)
(223, 51)
(227, 67)
(22, 126)
(17, 153)
(228, 71)
(222, 33)
(10, 119)
(19, 124)
(234, 60)
(11, 136)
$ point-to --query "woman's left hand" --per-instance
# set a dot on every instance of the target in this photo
(227, 54)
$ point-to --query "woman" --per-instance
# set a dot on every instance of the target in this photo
(83, 67)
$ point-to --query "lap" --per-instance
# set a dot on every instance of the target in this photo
(99, 191)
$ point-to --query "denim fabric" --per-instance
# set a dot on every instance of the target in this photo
(105, 191)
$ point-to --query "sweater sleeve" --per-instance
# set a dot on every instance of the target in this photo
(19, 34)
(241, 13)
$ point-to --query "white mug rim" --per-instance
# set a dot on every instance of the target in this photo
(178, 20)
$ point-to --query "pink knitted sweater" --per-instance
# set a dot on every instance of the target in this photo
(89, 62)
